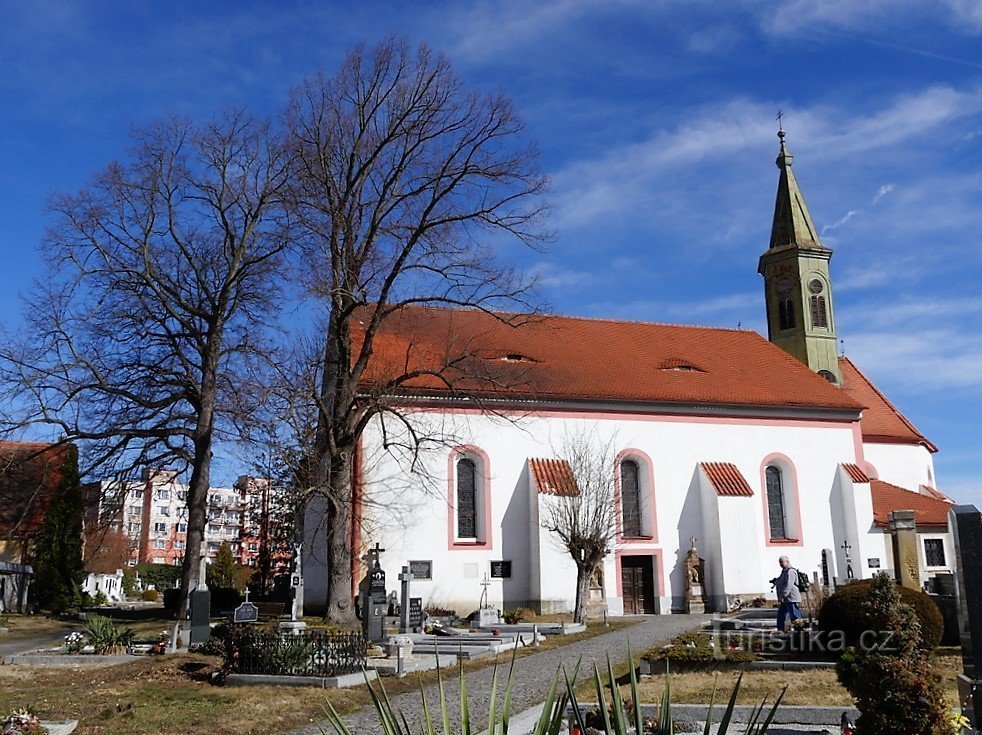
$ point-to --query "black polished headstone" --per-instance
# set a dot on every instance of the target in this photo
(416, 613)
(200, 604)
(965, 523)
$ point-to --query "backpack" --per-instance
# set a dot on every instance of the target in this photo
(802, 584)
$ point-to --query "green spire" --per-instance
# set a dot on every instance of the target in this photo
(797, 282)
(793, 226)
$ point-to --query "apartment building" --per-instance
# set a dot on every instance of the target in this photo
(153, 515)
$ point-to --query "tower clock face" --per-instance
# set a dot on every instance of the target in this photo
(784, 288)
(815, 286)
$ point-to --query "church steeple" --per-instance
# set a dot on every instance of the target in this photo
(797, 285)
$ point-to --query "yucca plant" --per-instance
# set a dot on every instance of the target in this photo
(616, 720)
(105, 636)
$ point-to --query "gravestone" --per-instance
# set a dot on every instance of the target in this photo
(293, 626)
(965, 524)
(404, 578)
(903, 530)
(828, 569)
(199, 602)
(416, 614)
(376, 606)
(247, 612)
(487, 615)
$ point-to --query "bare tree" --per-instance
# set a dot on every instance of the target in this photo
(584, 519)
(161, 275)
(400, 171)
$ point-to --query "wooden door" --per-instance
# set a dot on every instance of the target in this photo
(632, 582)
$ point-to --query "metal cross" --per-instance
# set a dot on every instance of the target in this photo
(846, 547)
(780, 115)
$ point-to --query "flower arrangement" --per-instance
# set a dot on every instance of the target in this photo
(22, 722)
(74, 642)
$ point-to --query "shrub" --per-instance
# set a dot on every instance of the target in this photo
(518, 615)
(100, 599)
(106, 636)
(895, 689)
(149, 595)
(435, 611)
(845, 611)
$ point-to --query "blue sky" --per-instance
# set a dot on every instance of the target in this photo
(655, 119)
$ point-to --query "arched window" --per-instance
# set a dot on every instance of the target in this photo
(828, 375)
(630, 498)
(785, 312)
(777, 520)
(466, 498)
(820, 316)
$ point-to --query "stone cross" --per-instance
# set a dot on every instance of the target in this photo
(484, 595)
(296, 583)
(203, 571)
(405, 578)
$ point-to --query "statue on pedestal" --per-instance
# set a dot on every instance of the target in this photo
(694, 602)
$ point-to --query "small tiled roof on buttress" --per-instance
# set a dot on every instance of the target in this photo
(928, 510)
(882, 421)
(553, 476)
(727, 479)
(571, 358)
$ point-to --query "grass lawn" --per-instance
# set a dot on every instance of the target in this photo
(815, 687)
(170, 695)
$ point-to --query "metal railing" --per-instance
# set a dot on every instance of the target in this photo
(314, 653)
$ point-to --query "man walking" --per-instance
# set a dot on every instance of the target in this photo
(788, 595)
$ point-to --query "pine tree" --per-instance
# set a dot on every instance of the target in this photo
(57, 560)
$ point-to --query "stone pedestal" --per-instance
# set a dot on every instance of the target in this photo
(487, 618)
(694, 604)
(399, 646)
(292, 627)
(906, 564)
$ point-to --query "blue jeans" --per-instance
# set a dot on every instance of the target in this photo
(786, 610)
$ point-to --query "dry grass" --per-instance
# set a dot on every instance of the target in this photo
(29, 626)
(817, 687)
(170, 695)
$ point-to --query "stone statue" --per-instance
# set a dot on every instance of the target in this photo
(694, 602)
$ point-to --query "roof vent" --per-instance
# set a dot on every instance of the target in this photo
(517, 357)
(677, 364)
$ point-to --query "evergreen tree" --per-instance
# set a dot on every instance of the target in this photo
(57, 558)
(221, 573)
(891, 678)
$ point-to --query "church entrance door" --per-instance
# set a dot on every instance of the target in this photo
(638, 585)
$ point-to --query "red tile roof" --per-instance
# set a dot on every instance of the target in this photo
(30, 475)
(882, 422)
(570, 358)
(935, 493)
(928, 510)
(727, 479)
(855, 473)
(553, 476)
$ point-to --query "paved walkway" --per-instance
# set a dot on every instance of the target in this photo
(23, 645)
(533, 674)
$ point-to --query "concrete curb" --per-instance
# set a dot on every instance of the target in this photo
(321, 682)
(785, 715)
(44, 659)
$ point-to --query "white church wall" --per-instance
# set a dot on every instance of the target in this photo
(905, 465)
(410, 513)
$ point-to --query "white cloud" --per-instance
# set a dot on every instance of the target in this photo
(882, 192)
(550, 275)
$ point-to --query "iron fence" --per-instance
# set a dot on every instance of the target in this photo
(314, 653)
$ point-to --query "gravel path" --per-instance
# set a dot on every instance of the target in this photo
(533, 674)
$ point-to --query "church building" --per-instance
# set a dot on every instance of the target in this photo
(754, 447)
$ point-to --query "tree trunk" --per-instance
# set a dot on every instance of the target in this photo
(340, 601)
(200, 482)
(582, 593)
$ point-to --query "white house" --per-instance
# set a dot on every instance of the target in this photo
(756, 447)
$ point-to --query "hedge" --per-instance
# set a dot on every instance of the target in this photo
(844, 611)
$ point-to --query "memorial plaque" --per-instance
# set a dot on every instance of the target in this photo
(873, 562)
(245, 613)
(421, 569)
(501, 569)
(416, 612)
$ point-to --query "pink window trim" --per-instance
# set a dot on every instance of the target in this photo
(484, 474)
(647, 469)
(656, 564)
(789, 479)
